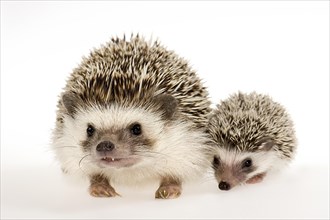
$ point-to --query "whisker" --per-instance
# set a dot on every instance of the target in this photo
(80, 167)
(69, 146)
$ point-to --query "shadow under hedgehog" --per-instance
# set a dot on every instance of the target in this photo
(133, 112)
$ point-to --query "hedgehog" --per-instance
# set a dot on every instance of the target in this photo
(253, 135)
(133, 112)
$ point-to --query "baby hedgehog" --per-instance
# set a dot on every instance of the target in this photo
(133, 112)
(253, 135)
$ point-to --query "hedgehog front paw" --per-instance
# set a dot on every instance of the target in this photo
(170, 188)
(102, 190)
(256, 179)
(168, 192)
(100, 187)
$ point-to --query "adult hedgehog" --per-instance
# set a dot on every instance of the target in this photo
(131, 112)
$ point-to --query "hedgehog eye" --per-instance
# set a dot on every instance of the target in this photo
(247, 163)
(136, 129)
(90, 130)
(216, 162)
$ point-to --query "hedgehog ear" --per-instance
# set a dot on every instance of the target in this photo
(168, 104)
(266, 144)
(70, 102)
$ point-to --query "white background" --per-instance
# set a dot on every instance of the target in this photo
(277, 48)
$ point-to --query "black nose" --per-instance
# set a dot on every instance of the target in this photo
(224, 185)
(105, 146)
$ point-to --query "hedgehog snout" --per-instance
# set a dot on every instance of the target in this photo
(224, 185)
(105, 146)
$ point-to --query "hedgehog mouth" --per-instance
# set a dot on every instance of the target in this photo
(110, 159)
(118, 162)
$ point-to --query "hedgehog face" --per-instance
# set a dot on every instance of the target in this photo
(233, 167)
(112, 136)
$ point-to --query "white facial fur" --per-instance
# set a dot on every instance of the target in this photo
(263, 162)
(178, 151)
